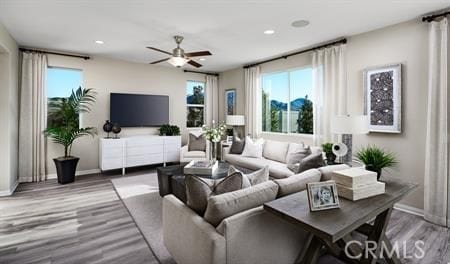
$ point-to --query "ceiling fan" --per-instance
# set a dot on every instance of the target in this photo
(179, 57)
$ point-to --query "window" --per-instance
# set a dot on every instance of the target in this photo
(60, 83)
(286, 102)
(195, 100)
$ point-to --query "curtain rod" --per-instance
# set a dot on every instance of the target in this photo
(337, 42)
(433, 17)
(55, 53)
(202, 72)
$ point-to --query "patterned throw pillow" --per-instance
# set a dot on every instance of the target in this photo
(312, 161)
(198, 189)
(298, 155)
(197, 143)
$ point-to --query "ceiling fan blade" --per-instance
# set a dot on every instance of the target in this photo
(194, 63)
(163, 51)
(158, 61)
(198, 53)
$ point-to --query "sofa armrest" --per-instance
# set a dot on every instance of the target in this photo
(258, 236)
(183, 151)
(189, 238)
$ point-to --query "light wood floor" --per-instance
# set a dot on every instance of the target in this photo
(85, 222)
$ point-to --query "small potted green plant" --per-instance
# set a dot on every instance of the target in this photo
(65, 129)
(376, 159)
(328, 149)
(169, 130)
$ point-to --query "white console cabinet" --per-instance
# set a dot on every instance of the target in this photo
(138, 151)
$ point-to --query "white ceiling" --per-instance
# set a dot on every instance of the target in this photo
(231, 29)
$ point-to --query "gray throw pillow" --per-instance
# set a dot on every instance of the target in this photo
(198, 190)
(197, 143)
(312, 161)
(298, 156)
(252, 178)
(237, 146)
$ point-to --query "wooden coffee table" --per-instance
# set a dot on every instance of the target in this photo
(331, 229)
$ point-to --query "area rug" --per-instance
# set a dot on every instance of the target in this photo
(141, 197)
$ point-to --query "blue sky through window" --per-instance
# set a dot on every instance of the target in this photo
(276, 84)
(61, 81)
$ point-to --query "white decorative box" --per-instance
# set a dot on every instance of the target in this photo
(354, 177)
(361, 192)
(201, 167)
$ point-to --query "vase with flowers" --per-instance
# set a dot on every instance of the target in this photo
(214, 134)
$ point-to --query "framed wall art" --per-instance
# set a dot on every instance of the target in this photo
(230, 102)
(383, 98)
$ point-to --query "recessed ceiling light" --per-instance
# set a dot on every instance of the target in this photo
(99, 42)
(269, 32)
(202, 59)
(300, 23)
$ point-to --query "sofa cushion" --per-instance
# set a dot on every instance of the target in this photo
(253, 148)
(275, 150)
(297, 182)
(198, 190)
(227, 204)
(253, 178)
(195, 154)
(327, 171)
(298, 154)
(237, 146)
(196, 142)
(312, 161)
(278, 170)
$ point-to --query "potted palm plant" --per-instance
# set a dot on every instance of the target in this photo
(376, 159)
(64, 129)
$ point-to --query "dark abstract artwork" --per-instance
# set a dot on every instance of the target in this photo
(383, 98)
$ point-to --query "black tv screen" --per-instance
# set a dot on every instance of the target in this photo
(139, 110)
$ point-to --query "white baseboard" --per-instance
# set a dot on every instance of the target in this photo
(78, 173)
(409, 209)
(11, 191)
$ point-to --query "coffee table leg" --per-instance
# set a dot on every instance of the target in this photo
(313, 251)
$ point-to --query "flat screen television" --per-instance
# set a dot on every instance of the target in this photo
(139, 110)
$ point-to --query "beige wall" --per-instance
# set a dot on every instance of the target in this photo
(233, 79)
(108, 75)
(405, 43)
(8, 111)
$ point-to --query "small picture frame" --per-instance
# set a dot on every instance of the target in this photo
(322, 195)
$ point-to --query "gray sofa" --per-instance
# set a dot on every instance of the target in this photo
(275, 155)
(250, 236)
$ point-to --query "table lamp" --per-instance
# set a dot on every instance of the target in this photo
(347, 125)
(235, 121)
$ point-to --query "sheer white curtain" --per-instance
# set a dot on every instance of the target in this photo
(252, 101)
(329, 90)
(436, 157)
(212, 99)
(33, 118)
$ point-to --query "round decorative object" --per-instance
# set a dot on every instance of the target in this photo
(340, 149)
(107, 127)
(116, 129)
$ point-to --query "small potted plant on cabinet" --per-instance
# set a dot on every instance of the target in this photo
(65, 129)
(169, 130)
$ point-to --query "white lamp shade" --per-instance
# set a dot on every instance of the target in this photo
(177, 61)
(235, 120)
(347, 124)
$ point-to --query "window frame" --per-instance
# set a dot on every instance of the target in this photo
(82, 84)
(309, 66)
(196, 105)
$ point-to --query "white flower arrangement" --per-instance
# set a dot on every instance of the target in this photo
(214, 134)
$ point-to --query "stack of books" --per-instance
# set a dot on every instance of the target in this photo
(201, 167)
(357, 183)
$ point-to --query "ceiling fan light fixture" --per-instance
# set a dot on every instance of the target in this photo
(177, 61)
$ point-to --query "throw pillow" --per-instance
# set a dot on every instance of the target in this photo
(252, 178)
(253, 149)
(312, 161)
(198, 190)
(197, 143)
(228, 204)
(237, 146)
(298, 155)
(297, 182)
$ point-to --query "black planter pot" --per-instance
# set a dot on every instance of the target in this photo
(65, 169)
(331, 158)
(370, 168)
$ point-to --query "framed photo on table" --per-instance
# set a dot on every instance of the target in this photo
(322, 195)
(383, 98)
(230, 102)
